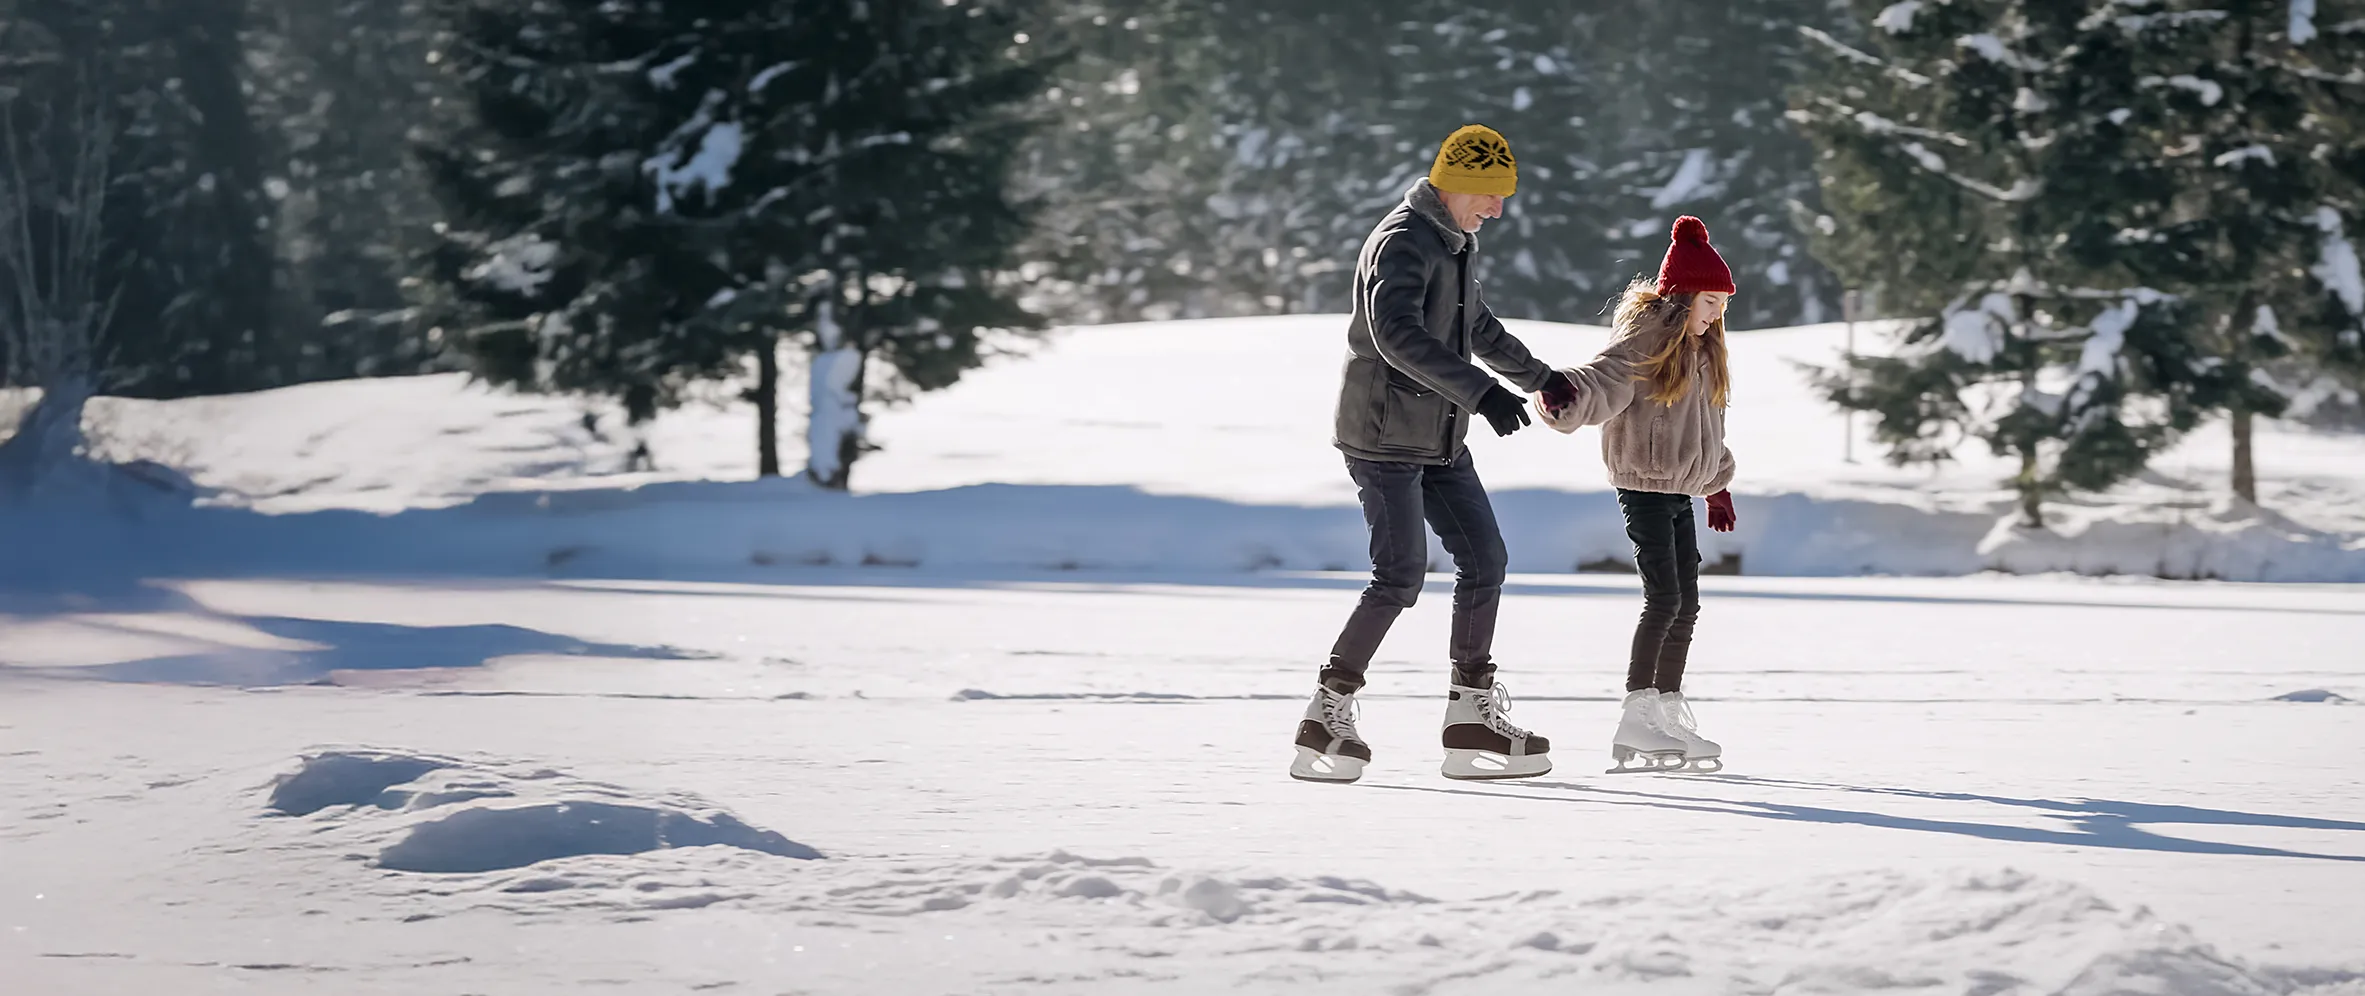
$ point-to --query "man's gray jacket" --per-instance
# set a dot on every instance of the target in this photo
(1410, 386)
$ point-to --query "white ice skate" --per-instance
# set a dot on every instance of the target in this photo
(1480, 744)
(1328, 748)
(1700, 754)
(1642, 742)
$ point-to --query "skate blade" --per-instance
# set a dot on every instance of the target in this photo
(1480, 765)
(1661, 761)
(1314, 766)
(1673, 765)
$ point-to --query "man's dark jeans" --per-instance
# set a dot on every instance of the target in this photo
(1397, 499)
(1667, 555)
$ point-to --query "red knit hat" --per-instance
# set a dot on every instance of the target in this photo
(1692, 265)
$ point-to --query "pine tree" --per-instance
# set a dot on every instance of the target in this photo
(1980, 163)
(674, 188)
(1246, 148)
(1634, 116)
(1219, 157)
(910, 173)
(2250, 100)
(1128, 164)
(340, 83)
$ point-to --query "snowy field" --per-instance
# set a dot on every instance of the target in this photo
(427, 695)
(1216, 431)
(900, 782)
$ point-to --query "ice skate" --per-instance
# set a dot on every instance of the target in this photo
(1328, 748)
(1481, 744)
(1700, 754)
(1642, 743)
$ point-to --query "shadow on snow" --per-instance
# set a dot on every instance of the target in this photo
(2093, 822)
(336, 646)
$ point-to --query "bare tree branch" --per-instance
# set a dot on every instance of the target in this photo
(56, 166)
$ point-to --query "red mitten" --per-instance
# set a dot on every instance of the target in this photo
(1720, 512)
(1559, 392)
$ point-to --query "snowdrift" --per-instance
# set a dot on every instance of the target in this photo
(535, 842)
(735, 531)
(1193, 446)
(457, 817)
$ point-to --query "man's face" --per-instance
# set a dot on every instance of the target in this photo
(1472, 210)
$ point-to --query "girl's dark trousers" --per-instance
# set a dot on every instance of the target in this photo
(1667, 555)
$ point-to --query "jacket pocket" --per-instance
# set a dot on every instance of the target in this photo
(1654, 448)
(1413, 418)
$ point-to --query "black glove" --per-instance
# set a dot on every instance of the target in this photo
(1503, 409)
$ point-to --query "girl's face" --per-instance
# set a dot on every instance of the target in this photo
(1707, 310)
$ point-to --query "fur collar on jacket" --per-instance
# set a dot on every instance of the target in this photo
(1427, 203)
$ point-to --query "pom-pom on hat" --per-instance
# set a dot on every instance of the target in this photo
(1692, 265)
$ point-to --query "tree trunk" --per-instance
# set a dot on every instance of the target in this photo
(767, 408)
(228, 152)
(2245, 473)
(48, 439)
(834, 432)
(2032, 496)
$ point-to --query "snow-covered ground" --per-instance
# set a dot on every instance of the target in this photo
(923, 782)
(1161, 446)
(427, 696)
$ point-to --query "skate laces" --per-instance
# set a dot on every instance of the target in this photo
(1677, 713)
(1339, 713)
(1492, 704)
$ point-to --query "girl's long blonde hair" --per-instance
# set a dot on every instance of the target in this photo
(1669, 371)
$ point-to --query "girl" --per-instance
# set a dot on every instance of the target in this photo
(1658, 391)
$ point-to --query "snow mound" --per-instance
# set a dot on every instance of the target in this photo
(2228, 539)
(346, 778)
(1164, 897)
(448, 815)
(2312, 695)
(490, 839)
(1987, 932)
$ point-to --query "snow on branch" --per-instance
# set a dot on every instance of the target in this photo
(2098, 362)
(676, 169)
(2138, 23)
(1994, 50)
(2265, 324)
(2245, 153)
(1840, 48)
(1976, 331)
(2022, 189)
(664, 77)
(2208, 90)
(1878, 125)
(1863, 58)
(1688, 181)
(765, 78)
(2336, 263)
(519, 265)
(2302, 29)
(2351, 78)
(1897, 18)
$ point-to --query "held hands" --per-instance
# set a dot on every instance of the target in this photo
(1720, 512)
(1503, 410)
(1558, 393)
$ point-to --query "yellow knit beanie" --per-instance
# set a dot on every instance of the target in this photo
(1475, 160)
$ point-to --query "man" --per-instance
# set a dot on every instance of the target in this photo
(1403, 412)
